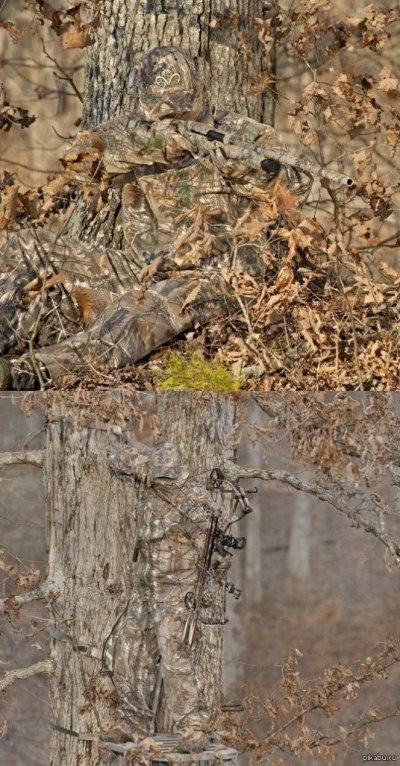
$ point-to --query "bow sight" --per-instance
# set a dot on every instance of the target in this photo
(217, 540)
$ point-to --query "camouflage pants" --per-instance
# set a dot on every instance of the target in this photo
(135, 325)
(126, 331)
(146, 645)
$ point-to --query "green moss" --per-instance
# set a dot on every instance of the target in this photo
(194, 373)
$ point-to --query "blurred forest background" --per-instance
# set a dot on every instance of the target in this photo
(33, 81)
(310, 581)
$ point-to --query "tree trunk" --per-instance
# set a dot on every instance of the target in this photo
(91, 520)
(299, 556)
(90, 529)
(249, 570)
(220, 34)
(209, 29)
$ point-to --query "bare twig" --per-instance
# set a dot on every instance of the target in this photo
(30, 457)
(65, 76)
(330, 740)
(20, 599)
(20, 674)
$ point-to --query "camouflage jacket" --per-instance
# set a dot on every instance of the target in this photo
(180, 208)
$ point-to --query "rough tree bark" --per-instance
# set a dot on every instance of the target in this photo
(299, 554)
(91, 532)
(220, 34)
(209, 29)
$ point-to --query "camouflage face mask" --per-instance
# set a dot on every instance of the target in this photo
(168, 86)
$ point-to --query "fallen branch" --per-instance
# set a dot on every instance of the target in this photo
(30, 457)
(20, 674)
(379, 531)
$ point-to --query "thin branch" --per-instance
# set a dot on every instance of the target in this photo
(331, 741)
(323, 494)
(65, 76)
(9, 677)
(31, 457)
(19, 599)
(317, 704)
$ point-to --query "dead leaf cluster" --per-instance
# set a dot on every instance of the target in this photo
(68, 24)
(12, 115)
(32, 206)
(294, 718)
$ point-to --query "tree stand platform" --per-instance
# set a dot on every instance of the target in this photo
(169, 745)
(216, 753)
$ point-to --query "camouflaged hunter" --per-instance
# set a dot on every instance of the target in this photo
(180, 555)
(147, 642)
(167, 558)
(78, 307)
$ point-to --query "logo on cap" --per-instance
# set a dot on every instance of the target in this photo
(167, 78)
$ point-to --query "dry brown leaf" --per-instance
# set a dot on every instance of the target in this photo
(51, 14)
(78, 35)
(354, 20)
(388, 83)
(13, 31)
(362, 159)
(390, 273)
(284, 279)
(12, 115)
(151, 269)
(31, 202)
(9, 207)
(287, 202)
(191, 297)
(393, 138)
(56, 185)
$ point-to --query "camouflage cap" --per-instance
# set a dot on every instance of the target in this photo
(168, 86)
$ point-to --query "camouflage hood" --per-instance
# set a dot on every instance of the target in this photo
(168, 86)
